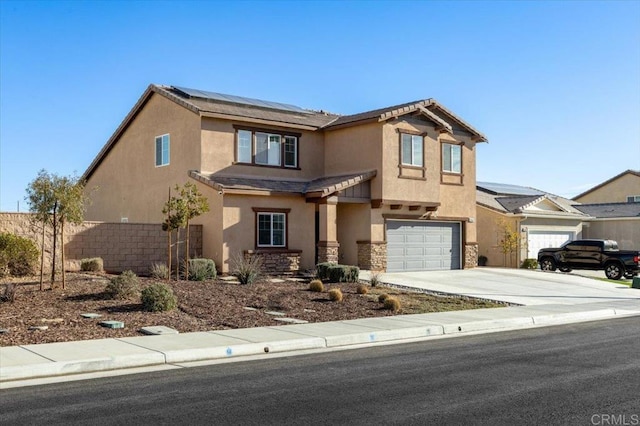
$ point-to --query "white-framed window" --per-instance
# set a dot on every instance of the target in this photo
(633, 199)
(290, 151)
(271, 229)
(266, 148)
(412, 150)
(162, 150)
(244, 146)
(451, 158)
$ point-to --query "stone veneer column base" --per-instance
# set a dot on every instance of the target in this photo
(372, 255)
(328, 251)
(470, 255)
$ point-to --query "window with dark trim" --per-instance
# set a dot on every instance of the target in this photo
(412, 151)
(162, 150)
(633, 199)
(451, 158)
(271, 227)
(266, 148)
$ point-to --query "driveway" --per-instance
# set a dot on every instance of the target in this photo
(520, 286)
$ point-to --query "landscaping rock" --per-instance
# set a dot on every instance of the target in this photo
(112, 324)
(90, 315)
(158, 330)
(291, 320)
(39, 327)
(275, 313)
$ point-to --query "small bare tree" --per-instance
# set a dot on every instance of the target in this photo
(195, 204)
(509, 239)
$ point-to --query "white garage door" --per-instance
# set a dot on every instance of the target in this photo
(422, 246)
(545, 239)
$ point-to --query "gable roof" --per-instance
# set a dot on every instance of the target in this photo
(427, 107)
(607, 182)
(321, 187)
(514, 199)
(610, 210)
(209, 104)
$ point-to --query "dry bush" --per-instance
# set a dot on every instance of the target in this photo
(392, 304)
(335, 295)
(362, 289)
(317, 286)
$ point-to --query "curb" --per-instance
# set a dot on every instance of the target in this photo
(57, 359)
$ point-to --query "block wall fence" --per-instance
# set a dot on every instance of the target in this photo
(122, 246)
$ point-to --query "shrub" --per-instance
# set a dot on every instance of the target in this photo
(362, 289)
(201, 269)
(375, 279)
(93, 264)
(392, 304)
(317, 286)
(335, 273)
(158, 297)
(335, 295)
(18, 255)
(9, 293)
(382, 297)
(246, 269)
(124, 286)
(529, 264)
(159, 271)
(482, 260)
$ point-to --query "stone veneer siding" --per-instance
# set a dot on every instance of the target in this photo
(122, 246)
(372, 255)
(280, 261)
(328, 252)
(470, 255)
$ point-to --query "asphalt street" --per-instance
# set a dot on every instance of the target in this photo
(574, 374)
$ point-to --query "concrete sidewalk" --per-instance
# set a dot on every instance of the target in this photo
(18, 363)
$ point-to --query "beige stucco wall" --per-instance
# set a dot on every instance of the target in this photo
(625, 231)
(616, 191)
(354, 224)
(127, 184)
(239, 225)
(218, 151)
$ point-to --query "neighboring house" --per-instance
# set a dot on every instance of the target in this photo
(538, 220)
(615, 208)
(392, 189)
(622, 188)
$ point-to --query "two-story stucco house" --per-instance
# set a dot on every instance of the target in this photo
(392, 189)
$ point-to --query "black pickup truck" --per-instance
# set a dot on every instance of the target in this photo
(591, 254)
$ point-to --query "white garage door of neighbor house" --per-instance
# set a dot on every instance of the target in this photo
(545, 239)
(422, 246)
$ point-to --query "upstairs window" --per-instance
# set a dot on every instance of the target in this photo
(267, 148)
(162, 150)
(412, 150)
(451, 158)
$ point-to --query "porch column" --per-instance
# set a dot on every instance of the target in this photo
(372, 254)
(328, 242)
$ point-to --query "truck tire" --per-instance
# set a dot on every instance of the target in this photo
(548, 264)
(613, 270)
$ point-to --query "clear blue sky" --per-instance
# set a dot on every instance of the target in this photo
(555, 86)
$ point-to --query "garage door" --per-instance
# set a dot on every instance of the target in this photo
(545, 239)
(420, 246)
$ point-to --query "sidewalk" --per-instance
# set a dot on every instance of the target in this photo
(57, 359)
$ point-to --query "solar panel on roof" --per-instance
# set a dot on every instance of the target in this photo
(194, 93)
(506, 189)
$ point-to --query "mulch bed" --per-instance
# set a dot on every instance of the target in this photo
(202, 306)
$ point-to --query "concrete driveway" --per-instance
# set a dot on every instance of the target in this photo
(524, 287)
